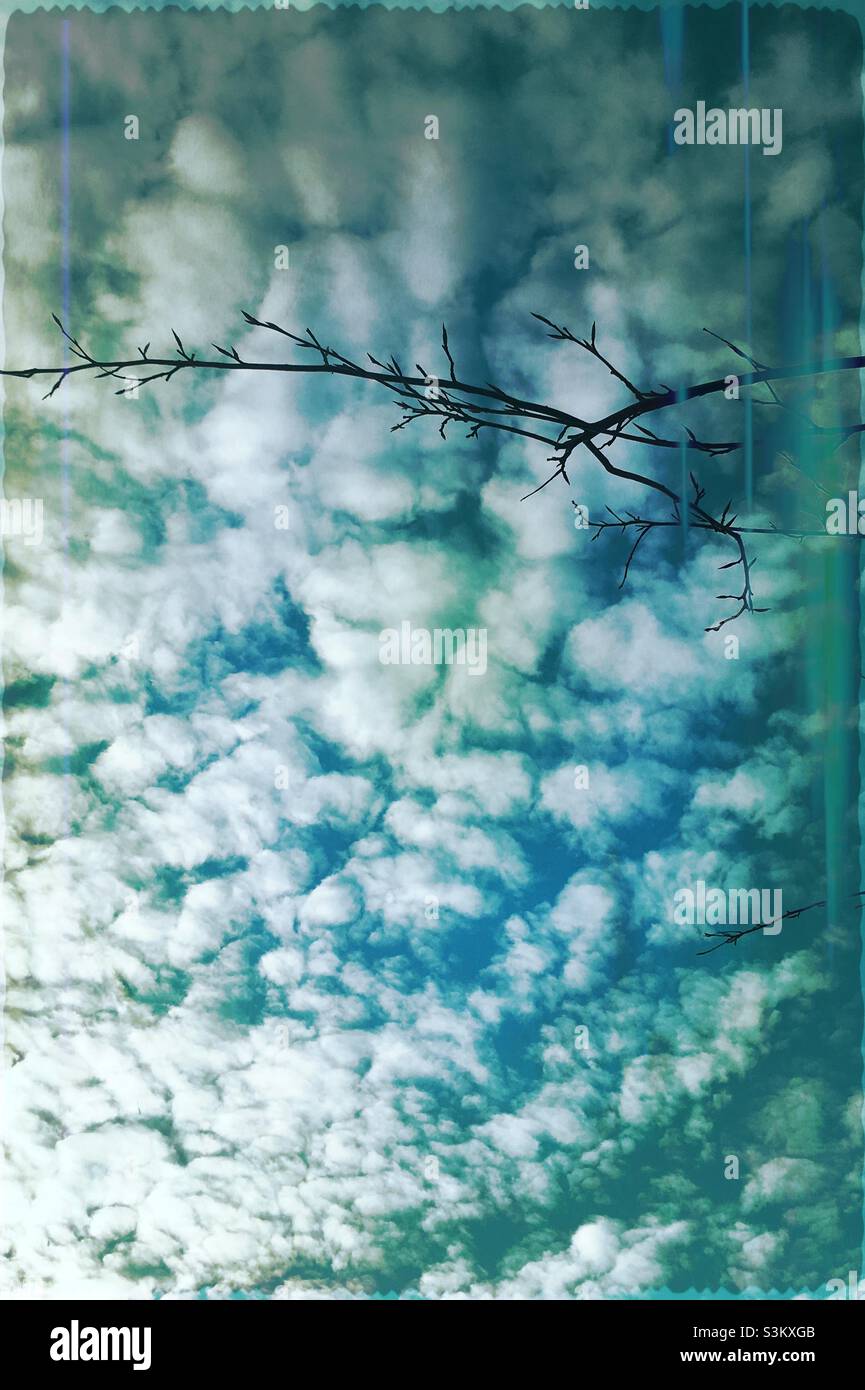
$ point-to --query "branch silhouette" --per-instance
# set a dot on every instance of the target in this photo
(452, 402)
(732, 938)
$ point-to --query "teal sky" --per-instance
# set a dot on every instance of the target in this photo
(296, 942)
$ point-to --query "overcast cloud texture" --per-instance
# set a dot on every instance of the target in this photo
(297, 943)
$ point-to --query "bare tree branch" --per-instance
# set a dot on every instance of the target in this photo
(486, 406)
(732, 938)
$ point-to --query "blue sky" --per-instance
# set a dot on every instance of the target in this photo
(297, 943)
